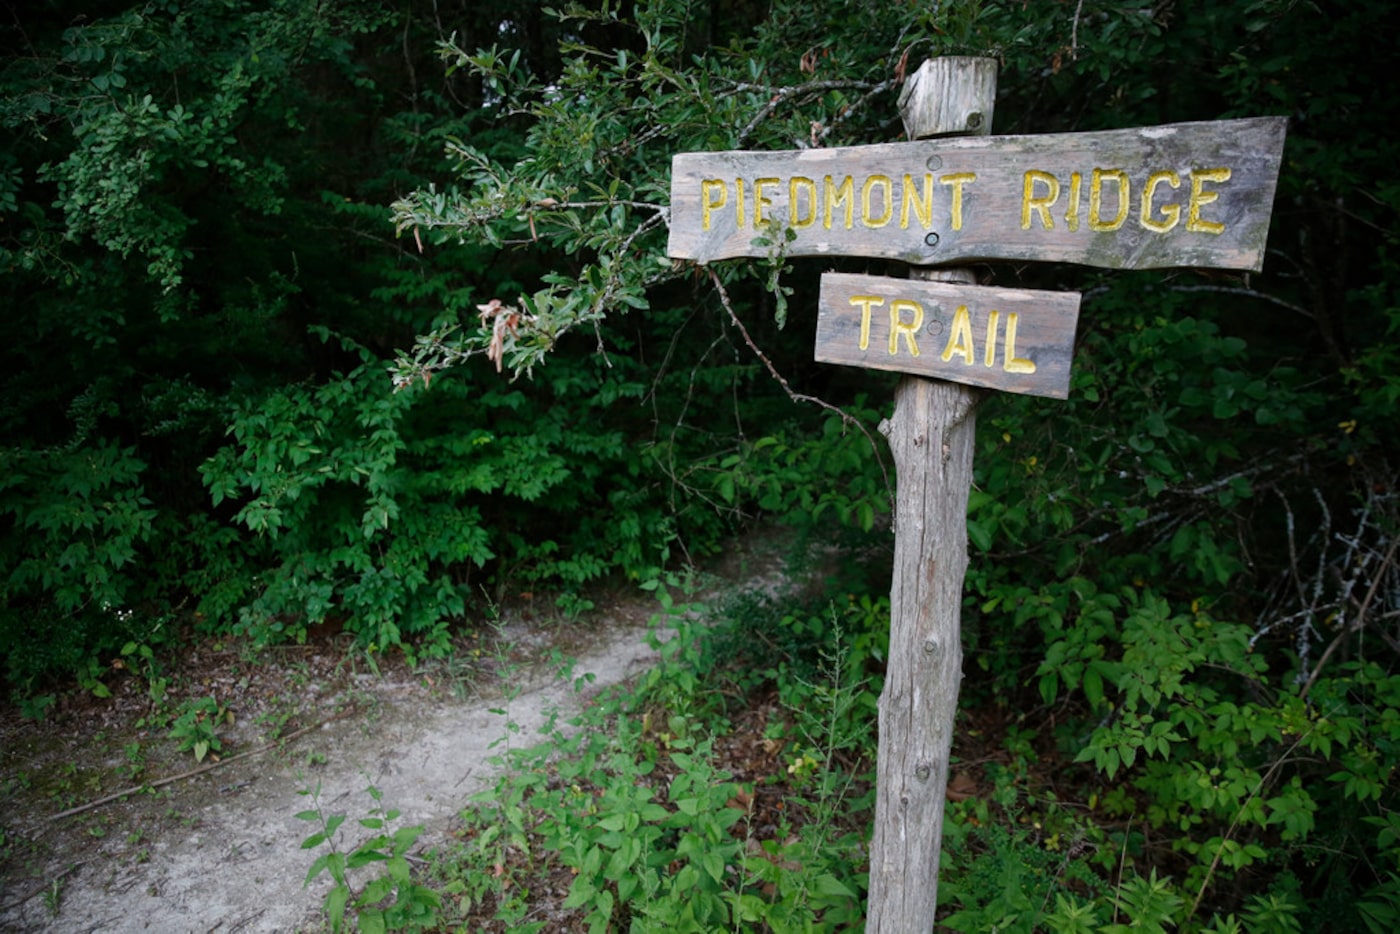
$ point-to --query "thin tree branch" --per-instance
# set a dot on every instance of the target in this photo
(1074, 31)
(1214, 863)
(1247, 293)
(780, 96)
(846, 417)
(1356, 623)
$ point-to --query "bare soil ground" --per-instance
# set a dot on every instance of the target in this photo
(216, 846)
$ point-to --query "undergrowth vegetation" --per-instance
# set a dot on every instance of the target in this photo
(731, 788)
(334, 316)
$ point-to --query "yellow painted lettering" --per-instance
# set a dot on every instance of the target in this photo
(1076, 186)
(761, 201)
(740, 218)
(959, 337)
(1171, 213)
(872, 220)
(713, 194)
(1010, 362)
(865, 303)
(1200, 196)
(839, 194)
(921, 203)
(898, 325)
(1041, 206)
(1096, 180)
(956, 181)
(795, 217)
(989, 354)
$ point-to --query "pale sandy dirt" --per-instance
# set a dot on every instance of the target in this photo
(220, 851)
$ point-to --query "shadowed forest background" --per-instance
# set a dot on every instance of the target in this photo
(326, 312)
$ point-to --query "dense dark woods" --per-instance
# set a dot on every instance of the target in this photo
(356, 312)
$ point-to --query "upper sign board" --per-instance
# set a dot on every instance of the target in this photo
(1185, 194)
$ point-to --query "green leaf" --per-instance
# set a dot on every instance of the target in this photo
(827, 884)
(713, 863)
(372, 921)
(336, 900)
(376, 891)
(1092, 685)
(979, 536)
(363, 856)
(318, 865)
(581, 893)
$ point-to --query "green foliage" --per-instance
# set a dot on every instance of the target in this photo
(391, 901)
(1185, 576)
(85, 513)
(657, 838)
(1231, 783)
(196, 727)
(1007, 885)
(323, 471)
(155, 252)
(377, 506)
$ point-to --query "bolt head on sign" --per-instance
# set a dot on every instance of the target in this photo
(1015, 340)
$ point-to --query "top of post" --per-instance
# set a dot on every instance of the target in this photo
(950, 96)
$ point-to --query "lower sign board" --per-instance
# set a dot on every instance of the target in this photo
(1015, 340)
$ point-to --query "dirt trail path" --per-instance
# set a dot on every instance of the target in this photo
(227, 857)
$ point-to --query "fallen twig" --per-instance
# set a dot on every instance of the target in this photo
(46, 884)
(171, 779)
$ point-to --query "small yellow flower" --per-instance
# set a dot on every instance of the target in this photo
(1348, 426)
(802, 766)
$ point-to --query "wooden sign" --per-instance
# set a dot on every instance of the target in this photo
(1186, 194)
(1014, 340)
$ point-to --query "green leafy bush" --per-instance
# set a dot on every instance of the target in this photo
(652, 833)
(391, 901)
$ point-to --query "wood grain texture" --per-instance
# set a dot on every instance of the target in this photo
(931, 434)
(927, 108)
(1122, 199)
(1014, 340)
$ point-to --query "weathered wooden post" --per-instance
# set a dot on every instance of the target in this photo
(931, 434)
